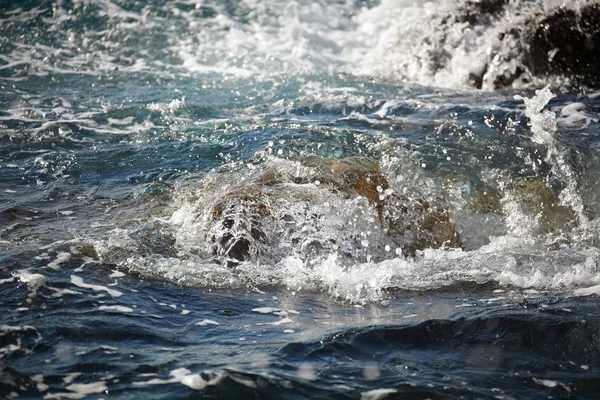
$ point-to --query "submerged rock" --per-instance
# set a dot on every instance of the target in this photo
(536, 198)
(276, 210)
(533, 197)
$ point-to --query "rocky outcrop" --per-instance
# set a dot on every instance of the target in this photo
(247, 222)
(528, 39)
(567, 42)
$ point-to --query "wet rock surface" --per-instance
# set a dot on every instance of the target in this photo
(567, 41)
(548, 41)
(250, 221)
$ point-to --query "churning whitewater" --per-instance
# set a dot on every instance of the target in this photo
(340, 199)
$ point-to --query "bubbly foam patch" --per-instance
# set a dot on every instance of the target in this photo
(514, 261)
(79, 390)
(185, 377)
(239, 39)
(78, 281)
(435, 43)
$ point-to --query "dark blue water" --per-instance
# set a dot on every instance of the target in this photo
(281, 200)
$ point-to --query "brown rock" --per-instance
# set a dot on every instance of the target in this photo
(242, 216)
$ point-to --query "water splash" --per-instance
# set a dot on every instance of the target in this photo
(481, 44)
(321, 241)
(438, 43)
(543, 126)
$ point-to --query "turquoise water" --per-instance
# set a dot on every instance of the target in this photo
(135, 136)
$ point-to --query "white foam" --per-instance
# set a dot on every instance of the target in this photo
(279, 36)
(61, 292)
(34, 281)
(116, 274)
(177, 375)
(277, 323)
(79, 390)
(185, 377)
(588, 291)
(122, 309)
(574, 115)
(360, 283)
(423, 43)
(78, 281)
(519, 261)
(207, 322)
(39, 379)
(61, 258)
(71, 377)
(266, 310)
(197, 382)
(546, 382)
(377, 394)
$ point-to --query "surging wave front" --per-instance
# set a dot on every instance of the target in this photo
(360, 226)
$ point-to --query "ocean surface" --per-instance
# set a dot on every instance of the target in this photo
(240, 199)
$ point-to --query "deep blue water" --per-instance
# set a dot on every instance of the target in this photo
(128, 131)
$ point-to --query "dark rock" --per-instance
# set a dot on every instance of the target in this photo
(567, 42)
(563, 42)
(478, 11)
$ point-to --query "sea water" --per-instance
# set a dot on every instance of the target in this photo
(123, 124)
